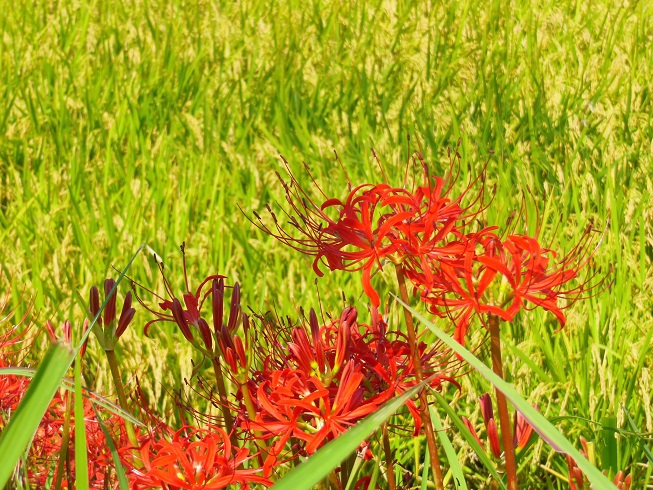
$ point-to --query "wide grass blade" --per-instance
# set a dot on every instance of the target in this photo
(539, 423)
(319, 465)
(24, 422)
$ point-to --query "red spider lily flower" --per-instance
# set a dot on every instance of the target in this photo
(292, 404)
(193, 459)
(331, 379)
(528, 269)
(522, 430)
(45, 449)
(373, 224)
(487, 276)
(455, 284)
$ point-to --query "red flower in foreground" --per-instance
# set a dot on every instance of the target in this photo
(192, 459)
(330, 377)
(46, 446)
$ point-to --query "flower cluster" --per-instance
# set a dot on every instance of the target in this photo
(332, 378)
(458, 268)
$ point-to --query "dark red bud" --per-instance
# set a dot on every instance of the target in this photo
(205, 332)
(226, 338)
(125, 319)
(349, 315)
(110, 308)
(178, 315)
(486, 407)
(234, 310)
(217, 296)
(230, 358)
(94, 302)
(82, 349)
(240, 351)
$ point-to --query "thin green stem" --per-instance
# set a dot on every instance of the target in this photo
(65, 442)
(502, 405)
(423, 402)
(120, 391)
(222, 392)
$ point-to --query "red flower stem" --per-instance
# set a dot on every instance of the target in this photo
(423, 402)
(502, 405)
(251, 413)
(222, 392)
(389, 462)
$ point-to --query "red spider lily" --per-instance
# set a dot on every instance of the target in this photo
(487, 276)
(522, 430)
(292, 404)
(373, 224)
(330, 379)
(47, 442)
(46, 445)
(193, 458)
(455, 285)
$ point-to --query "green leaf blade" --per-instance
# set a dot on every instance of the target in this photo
(25, 421)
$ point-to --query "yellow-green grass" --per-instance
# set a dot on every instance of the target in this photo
(124, 123)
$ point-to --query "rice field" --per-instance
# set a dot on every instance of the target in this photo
(136, 122)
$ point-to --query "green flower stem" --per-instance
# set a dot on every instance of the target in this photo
(502, 405)
(423, 402)
(122, 399)
(251, 413)
(65, 442)
(222, 392)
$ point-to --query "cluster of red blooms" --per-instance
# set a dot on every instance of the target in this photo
(333, 378)
(302, 385)
(459, 268)
(296, 387)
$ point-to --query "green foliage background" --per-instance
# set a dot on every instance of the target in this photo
(129, 122)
